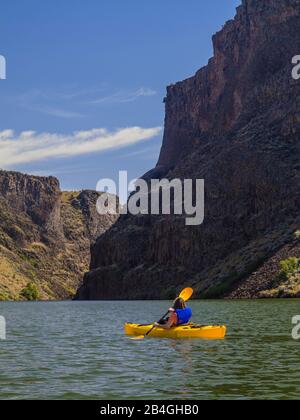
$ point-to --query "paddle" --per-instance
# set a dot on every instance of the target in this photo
(185, 295)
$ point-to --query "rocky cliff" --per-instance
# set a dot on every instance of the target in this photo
(45, 235)
(236, 124)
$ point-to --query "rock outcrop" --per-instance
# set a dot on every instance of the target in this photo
(45, 235)
(236, 124)
(265, 282)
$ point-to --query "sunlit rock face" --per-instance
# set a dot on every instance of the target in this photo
(45, 235)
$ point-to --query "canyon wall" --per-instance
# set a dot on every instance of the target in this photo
(236, 124)
(45, 235)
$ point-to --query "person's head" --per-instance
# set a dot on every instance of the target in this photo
(179, 304)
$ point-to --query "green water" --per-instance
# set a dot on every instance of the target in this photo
(78, 351)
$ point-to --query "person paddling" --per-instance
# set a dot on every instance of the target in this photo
(179, 314)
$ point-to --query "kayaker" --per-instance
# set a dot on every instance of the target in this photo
(179, 314)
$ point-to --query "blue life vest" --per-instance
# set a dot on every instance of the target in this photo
(184, 316)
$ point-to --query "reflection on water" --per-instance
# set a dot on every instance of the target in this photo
(77, 351)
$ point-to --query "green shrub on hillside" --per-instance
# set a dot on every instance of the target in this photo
(288, 268)
(30, 292)
(297, 235)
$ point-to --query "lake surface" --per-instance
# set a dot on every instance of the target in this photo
(74, 350)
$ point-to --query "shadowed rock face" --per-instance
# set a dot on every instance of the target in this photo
(45, 235)
(236, 124)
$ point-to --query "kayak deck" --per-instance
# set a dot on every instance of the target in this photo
(184, 331)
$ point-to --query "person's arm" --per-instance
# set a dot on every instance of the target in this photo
(172, 321)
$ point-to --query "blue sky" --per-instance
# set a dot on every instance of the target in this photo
(85, 82)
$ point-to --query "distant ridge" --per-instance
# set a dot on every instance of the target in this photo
(45, 235)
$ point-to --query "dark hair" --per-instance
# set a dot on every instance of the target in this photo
(179, 304)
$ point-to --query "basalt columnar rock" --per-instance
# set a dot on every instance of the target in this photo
(236, 124)
(45, 235)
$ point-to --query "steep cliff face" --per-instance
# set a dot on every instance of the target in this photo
(236, 124)
(249, 53)
(45, 235)
(35, 198)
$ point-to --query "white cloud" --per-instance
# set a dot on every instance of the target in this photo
(30, 146)
(65, 104)
(124, 96)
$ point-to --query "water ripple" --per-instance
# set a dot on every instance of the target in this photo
(76, 351)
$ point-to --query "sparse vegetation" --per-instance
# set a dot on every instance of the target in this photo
(297, 235)
(3, 297)
(43, 249)
(30, 292)
(289, 268)
(287, 282)
(68, 196)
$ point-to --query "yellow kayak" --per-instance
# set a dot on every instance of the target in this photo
(184, 331)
